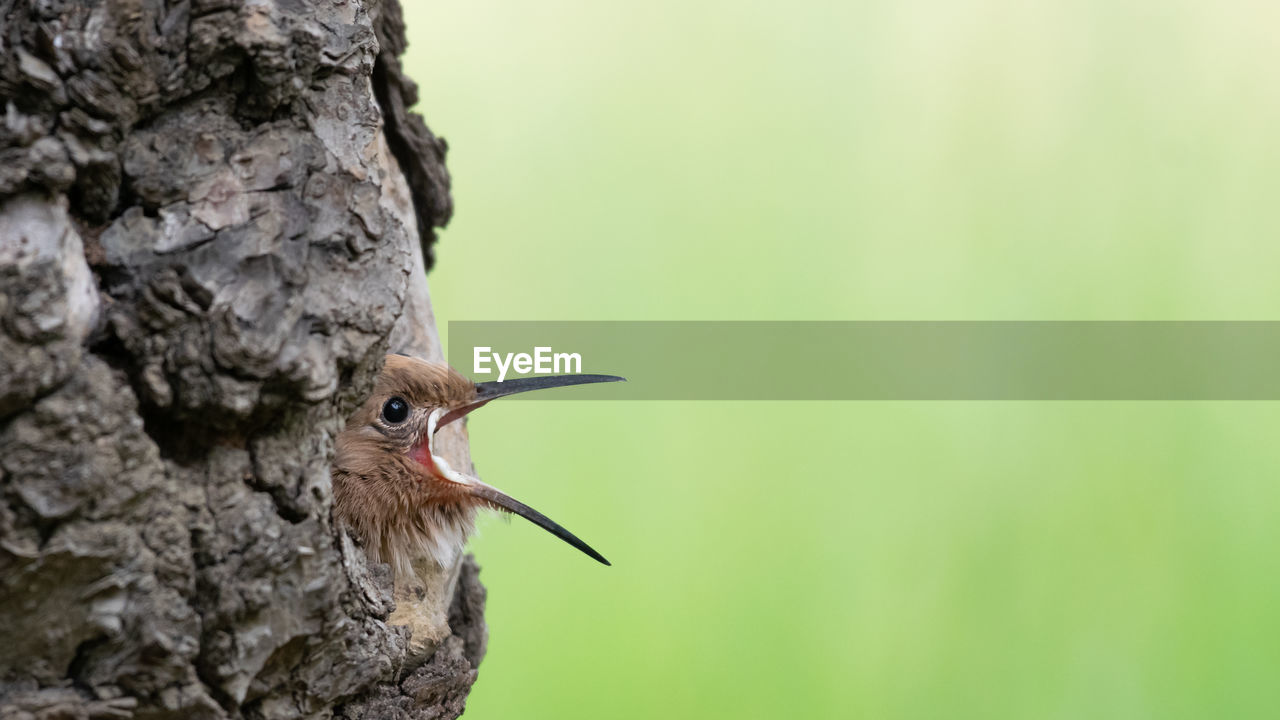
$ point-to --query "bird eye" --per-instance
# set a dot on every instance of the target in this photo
(395, 411)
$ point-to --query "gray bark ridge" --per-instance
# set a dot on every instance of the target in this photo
(212, 213)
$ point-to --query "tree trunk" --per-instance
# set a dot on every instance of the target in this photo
(215, 219)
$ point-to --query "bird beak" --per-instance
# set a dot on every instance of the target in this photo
(488, 391)
(502, 501)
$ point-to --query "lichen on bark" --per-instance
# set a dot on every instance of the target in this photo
(215, 218)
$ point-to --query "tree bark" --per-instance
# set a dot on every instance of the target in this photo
(215, 220)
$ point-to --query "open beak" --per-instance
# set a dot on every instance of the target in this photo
(486, 392)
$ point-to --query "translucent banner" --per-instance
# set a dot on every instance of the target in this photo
(882, 360)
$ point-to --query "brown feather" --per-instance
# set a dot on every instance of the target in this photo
(393, 504)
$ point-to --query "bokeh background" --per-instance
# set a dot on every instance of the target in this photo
(869, 160)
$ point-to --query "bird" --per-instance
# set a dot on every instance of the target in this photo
(400, 498)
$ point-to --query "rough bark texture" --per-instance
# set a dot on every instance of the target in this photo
(214, 221)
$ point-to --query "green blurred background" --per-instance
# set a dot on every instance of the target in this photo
(869, 160)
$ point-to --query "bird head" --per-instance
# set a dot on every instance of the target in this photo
(394, 489)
